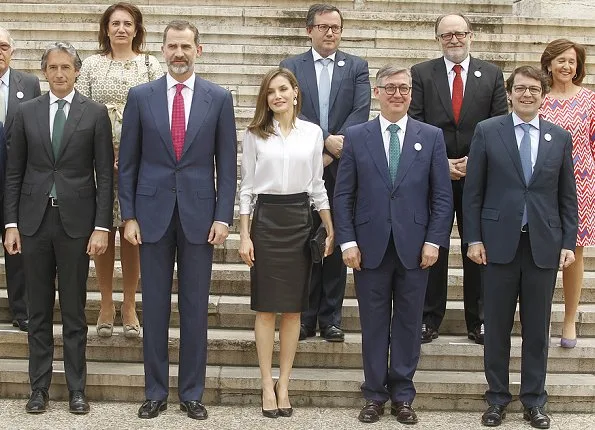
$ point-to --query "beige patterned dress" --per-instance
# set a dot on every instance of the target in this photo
(107, 81)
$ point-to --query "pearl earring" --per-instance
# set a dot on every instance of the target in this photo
(295, 101)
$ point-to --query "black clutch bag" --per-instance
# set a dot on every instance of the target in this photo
(317, 244)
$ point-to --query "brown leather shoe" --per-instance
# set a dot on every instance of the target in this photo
(404, 412)
(371, 412)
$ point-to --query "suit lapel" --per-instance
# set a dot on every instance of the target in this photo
(311, 81)
(440, 78)
(508, 137)
(159, 109)
(375, 146)
(471, 88)
(43, 122)
(75, 113)
(338, 73)
(201, 103)
(408, 152)
(14, 86)
(543, 149)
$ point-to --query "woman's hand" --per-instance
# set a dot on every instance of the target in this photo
(246, 251)
(329, 244)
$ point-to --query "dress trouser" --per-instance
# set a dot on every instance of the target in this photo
(436, 294)
(48, 252)
(534, 288)
(194, 279)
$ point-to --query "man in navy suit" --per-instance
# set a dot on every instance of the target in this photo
(393, 209)
(520, 223)
(335, 90)
(175, 131)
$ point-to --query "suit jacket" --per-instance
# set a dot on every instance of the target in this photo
(417, 208)
(349, 102)
(152, 182)
(485, 97)
(82, 172)
(2, 161)
(495, 193)
(19, 82)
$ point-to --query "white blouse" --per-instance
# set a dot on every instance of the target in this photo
(283, 165)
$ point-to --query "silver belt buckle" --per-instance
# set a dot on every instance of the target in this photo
(525, 228)
(53, 202)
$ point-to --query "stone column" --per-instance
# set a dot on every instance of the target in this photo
(577, 9)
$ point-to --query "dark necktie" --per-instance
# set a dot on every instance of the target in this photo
(457, 92)
(57, 133)
(394, 151)
(178, 122)
(525, 153)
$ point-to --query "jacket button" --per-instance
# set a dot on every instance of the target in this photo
(389, 220)
(173, 190)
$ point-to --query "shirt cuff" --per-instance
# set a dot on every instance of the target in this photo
(475, 243)
(101, 229)
(221, 222)
(11, 225)
(432, 244)
(347, 245)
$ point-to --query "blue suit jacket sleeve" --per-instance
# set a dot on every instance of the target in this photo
(2, 160)
(345, 191)
(129, 156)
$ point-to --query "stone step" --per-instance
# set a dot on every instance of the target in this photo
(233, 385)
(237, 348)
(233, 312)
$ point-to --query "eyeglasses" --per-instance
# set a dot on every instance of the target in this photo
(323, 28)
(391, 89)
(520, 89)
(460, 35)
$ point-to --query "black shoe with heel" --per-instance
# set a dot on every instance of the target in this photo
(269, 413)
(283, 412)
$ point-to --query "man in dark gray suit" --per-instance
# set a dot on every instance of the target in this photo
(455, 92)
(15, 87)
(335, 90)
(58, 212)
(521, 220)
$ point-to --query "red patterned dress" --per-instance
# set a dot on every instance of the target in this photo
(577, 115)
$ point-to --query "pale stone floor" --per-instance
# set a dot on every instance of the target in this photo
(122, 416)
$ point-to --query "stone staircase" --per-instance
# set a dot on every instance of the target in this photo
(242, 40)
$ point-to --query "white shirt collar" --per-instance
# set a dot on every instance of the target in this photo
(317, 56)
(384, 123)
(534, 122)
(450, 64)
(6, 77)
(171, 82)
(68, 98)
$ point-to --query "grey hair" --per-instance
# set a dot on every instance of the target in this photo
(64, 47)
(10, 39)
(390, 70)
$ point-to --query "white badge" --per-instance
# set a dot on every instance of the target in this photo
(477, 73)
(20, 95)
(417, 146)
(547, 137)
(341, 63)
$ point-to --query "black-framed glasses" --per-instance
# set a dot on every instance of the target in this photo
(323, 28)
(460, 35)
(391, 89)
(520, 89)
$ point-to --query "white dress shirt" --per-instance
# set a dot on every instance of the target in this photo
(187, 94)
(384, 124)
(283, 165)
(4, 82)
(451, 73)
(318, 65)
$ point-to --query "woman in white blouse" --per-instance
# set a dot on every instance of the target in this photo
(281, 179)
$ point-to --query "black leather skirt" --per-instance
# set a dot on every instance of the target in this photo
(280, 277)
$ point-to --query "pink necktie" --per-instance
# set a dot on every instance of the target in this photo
(178, 122)
(457, 92)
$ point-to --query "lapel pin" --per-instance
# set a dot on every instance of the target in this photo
(417, 146)
(547, 137)
(477, 73)
(20, 95)
(341, 63)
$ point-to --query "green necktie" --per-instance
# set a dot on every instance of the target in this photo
(57, 132)
(394, 151)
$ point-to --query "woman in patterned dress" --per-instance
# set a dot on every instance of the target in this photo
(106, 78)
(573, 107)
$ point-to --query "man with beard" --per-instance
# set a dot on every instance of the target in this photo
(454, 93)
(175, 131)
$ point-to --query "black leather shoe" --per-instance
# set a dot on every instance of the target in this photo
(493, 416)
(195, 409)
(151, 408)
(23, 325)
(306, 332)
(537, 416)
(332, 333)
(38, 402)
(428, 333)
(477, 335)
(404, 412)
(78, 403)
(371, 412)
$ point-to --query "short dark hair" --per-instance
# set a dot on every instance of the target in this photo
(138, 42)
(64, 47)
(181, 25)
(441, 17)
(557, 47)
(319, 8)
(529, 72)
